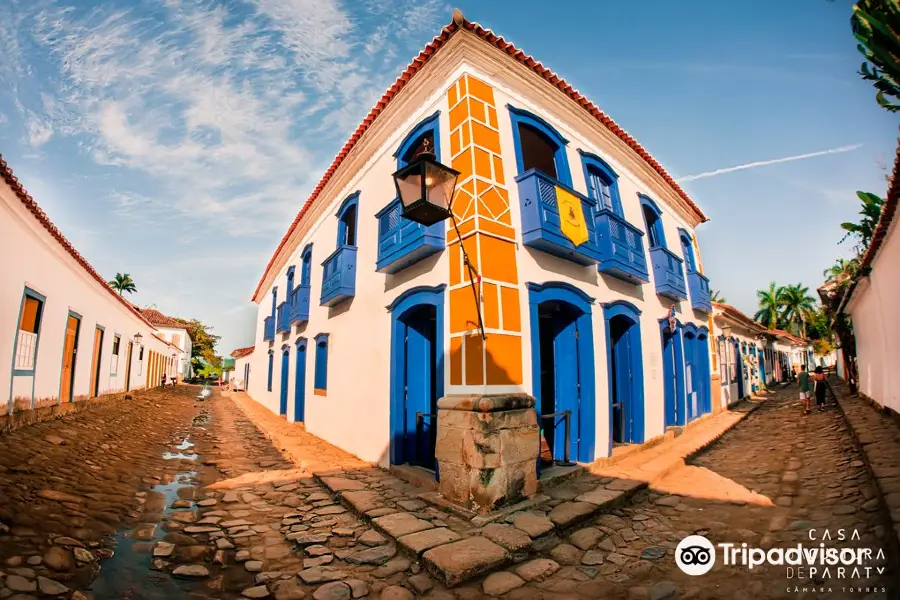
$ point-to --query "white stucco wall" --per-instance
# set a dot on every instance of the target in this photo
(876, 324)
(184, 345)
(38, 261)
(237, 378)
(355, 413)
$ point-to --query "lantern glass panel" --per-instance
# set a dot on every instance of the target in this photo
(439, 184)
(410, 187)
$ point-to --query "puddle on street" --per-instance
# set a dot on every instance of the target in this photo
(127, 575)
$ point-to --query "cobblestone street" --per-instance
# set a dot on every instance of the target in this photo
(165, 496)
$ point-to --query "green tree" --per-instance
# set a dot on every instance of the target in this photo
(842, 271)
(797, 306)
(204, 343)
(865, 229)
(876, 26)
(770, 302)
(716, 296)
(123, 283)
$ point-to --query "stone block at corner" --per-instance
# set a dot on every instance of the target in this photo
(460, 561)
(519, 445)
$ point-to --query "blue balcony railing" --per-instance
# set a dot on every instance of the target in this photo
(268, 329)
(699, 287)
(339, 276)
(668, 274)
(541, 224)
(402, 242)
(299, 312)
(621, 247)
(283, 324)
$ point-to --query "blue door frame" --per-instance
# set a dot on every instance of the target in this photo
(673, 373)
(705, 371)
(626, 369)
(739, 366)
(412, 388)
(285, 366)
(692, 375)
(573, 351)
(300, 382)
(761, 360)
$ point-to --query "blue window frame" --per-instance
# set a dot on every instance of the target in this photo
(320, 382)
(653, 221)
(271, 365)
(414, 141)
(539, 146)
(347, 216)
(290, 281)
(28, 332)
(306, 265)
(602, 183)
(687, 247)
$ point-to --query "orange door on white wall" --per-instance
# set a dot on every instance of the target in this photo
(128, 368)
(95, 363)
(70, 347)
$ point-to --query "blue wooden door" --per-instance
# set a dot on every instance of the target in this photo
(419, 427)
(691, 376)
(703, 374)
(739, 367)
(670, 380)
(567, 390)
(285, 365)
(623, 397)
(762, 368)
(300, 385)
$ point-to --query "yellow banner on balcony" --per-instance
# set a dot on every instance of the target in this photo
(571, 216)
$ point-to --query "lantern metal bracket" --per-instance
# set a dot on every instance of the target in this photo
(472, 274)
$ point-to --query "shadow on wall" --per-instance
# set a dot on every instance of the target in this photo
(339, 309)
(426, 265)
(630, 290)
(554, 264)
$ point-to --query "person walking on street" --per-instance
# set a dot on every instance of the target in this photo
(822, 387)
(803, 382)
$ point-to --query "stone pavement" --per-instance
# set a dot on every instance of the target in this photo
(878, 436)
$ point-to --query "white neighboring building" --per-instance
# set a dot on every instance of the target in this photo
(871, 303)
(240, 377)
(177, 334)
(65, 335)
(741, 354)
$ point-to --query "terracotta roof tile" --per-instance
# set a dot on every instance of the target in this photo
(427, 53)
(7, 175)
(242, 352)
(160, 320)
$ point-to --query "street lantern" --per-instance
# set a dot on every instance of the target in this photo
(425, 188)
(137, 339)
(672, 319)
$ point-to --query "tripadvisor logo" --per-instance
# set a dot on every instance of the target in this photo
(696, 555)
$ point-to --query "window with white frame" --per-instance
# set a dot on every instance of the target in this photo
(114, 360)
(28, 332)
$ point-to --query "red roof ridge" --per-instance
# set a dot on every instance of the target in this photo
(242, 352)
(31, 204)
(413, 67)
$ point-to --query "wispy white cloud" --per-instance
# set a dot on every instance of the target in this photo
(764, 163)
(231, 113)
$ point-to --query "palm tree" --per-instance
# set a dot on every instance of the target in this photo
(865, 229)
(842, 270)
(798, 306)
(716, 296)
(123, 283)
(769, 304)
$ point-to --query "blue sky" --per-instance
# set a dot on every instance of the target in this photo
(176, 140)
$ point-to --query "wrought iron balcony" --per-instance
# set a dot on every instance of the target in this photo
(621, 248)
(283, 324)
(698, 285)
(268, 329)
(668, 274)
(339, 276)
(299, 312)
(402, 242)
(542, 227)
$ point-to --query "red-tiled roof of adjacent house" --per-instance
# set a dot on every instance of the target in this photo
(7, 175)
(160, 320)
(242, 352)
(459, 23)
(739, 316)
